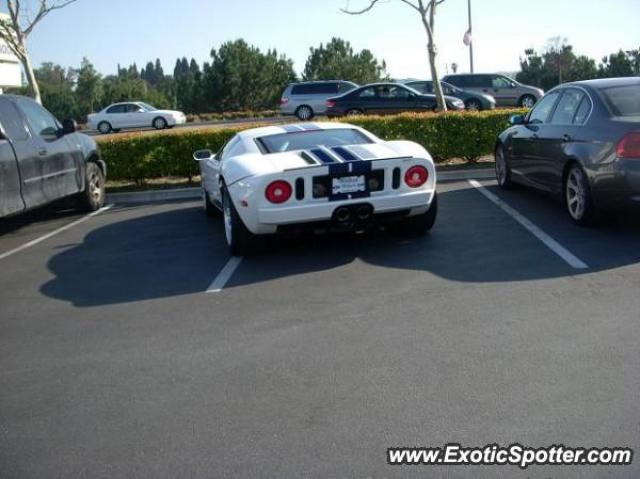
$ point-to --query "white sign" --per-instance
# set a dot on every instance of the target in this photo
(10, 73)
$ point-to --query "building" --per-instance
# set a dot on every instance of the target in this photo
(10, 73)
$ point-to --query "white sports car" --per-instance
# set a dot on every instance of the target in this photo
(310, 176)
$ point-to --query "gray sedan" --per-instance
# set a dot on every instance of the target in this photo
(581, 141)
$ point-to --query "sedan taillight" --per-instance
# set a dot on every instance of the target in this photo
(629, 146)
(331, 104)
(416, 176)
(278, 191)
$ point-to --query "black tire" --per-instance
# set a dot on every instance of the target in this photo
(503, 170)
(421, 224)
(354, 112)
(92, 198)
(209, 208)
(527, 101)
(473, 104)
(240, 241)
(304, 113)
(104, 127)
(159, 123)
(578, 198)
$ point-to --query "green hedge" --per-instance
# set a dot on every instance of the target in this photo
(465, 135)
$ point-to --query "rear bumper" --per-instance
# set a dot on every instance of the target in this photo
(619, 185)
(324, 210)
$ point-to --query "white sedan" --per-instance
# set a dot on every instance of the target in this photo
(135, 114)
(315, 176)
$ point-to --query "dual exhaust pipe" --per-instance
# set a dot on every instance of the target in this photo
(359, 213)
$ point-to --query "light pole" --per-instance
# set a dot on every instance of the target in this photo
(470, 38)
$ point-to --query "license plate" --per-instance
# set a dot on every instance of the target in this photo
(348, 184)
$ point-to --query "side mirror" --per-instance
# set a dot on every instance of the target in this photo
(69, 126)
(203, 155)
(516, 120)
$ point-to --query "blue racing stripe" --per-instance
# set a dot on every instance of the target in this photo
(323, 156)
(309, 126)
(291, 128)
(345, 154)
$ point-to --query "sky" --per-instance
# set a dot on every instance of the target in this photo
(109, 32)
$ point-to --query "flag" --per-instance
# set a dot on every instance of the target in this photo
(467, 38)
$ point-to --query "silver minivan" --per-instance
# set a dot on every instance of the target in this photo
(506, 91)
(307, 99)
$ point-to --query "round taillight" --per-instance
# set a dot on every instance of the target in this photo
(416, 176)
(278, 191)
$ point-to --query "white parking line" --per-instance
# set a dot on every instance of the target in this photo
(53, 233)
(548, 241)
(224, 275)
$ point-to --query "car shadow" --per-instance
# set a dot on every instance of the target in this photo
(46, 214)
(180, 252)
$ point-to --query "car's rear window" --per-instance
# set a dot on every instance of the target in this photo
(623, 100)
(305, 140)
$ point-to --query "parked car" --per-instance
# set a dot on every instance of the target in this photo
(308, 99)
(581, 141)
(135, 114)
(278, 179)
(472, 100)
(505, 90)
(42, 160)
(385, 99)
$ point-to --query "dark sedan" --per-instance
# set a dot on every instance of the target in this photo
(472, 100)
(385, 99)
(580, 141)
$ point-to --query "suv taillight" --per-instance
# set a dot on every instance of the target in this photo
(629, 146)
(416, 176)
(278, 191)
(284, 101)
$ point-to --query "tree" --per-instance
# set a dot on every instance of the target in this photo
(557, 63)
(241, 77)
(427, 11)
(16, 29)
(89, 88)
(618, 64)
(337, 60)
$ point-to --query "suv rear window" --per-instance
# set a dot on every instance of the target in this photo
(315, 89)
(306, 140)
(623, 100)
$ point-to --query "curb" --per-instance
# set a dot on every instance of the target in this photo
(158, 196)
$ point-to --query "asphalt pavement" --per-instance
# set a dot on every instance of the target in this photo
(314, 358)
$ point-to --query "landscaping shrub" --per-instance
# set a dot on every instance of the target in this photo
(467, 135)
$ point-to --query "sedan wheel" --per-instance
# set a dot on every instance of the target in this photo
(578, 196)
(159, 123)
(104, 127)
(527, 101)
(473, 105)
(304, 113)
(503, 172)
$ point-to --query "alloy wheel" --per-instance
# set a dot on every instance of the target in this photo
(304, 113)
(501, 167)
(575, 194)
(528, 102)
(95, 187)
(228, 221)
